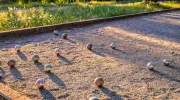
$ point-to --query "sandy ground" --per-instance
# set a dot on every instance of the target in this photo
(139, 41)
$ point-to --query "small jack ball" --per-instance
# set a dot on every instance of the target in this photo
(11, 63)
(48, 67)
(35, 58)
(93, 98)
(64, 35)
(99, 81)
(56, 32)
(17, 48)
(150, 66)
(89, 46)
(57, 51)
(113, 45)
(166, 62)
(40, 83)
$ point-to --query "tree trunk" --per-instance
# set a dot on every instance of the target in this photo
(4, 1)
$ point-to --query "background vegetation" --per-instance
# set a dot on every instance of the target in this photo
(72, 1)
(23, 15)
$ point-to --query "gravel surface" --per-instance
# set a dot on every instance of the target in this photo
(139, 40)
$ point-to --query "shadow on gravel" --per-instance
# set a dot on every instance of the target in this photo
(2, 81)
(171, 78)
(65, 60)
(39, 65)
(98, 53)
(16, 73)
(2, 77)
(119, 50)
(22, 56)
(46, 94)
(173, 67)
(111, 94)
(3, 72)
(56, 80)
(63, 96)
(71, 41)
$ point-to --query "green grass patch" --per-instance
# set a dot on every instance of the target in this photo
(16, 16)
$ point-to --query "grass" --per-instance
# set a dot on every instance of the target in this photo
(114, 2)
(170, 5)
(16, 16)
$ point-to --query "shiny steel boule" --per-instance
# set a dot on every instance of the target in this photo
(150, 66)
(56, 32)
(113, 45)
(48, 67)
(89, 46)
(99, 81)
(35, 58)
(18, 48)
(64, 35)
(40, 83)
(11, 63)
(57, 51)
(166, 62)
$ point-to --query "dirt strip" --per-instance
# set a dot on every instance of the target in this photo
(138, 40)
